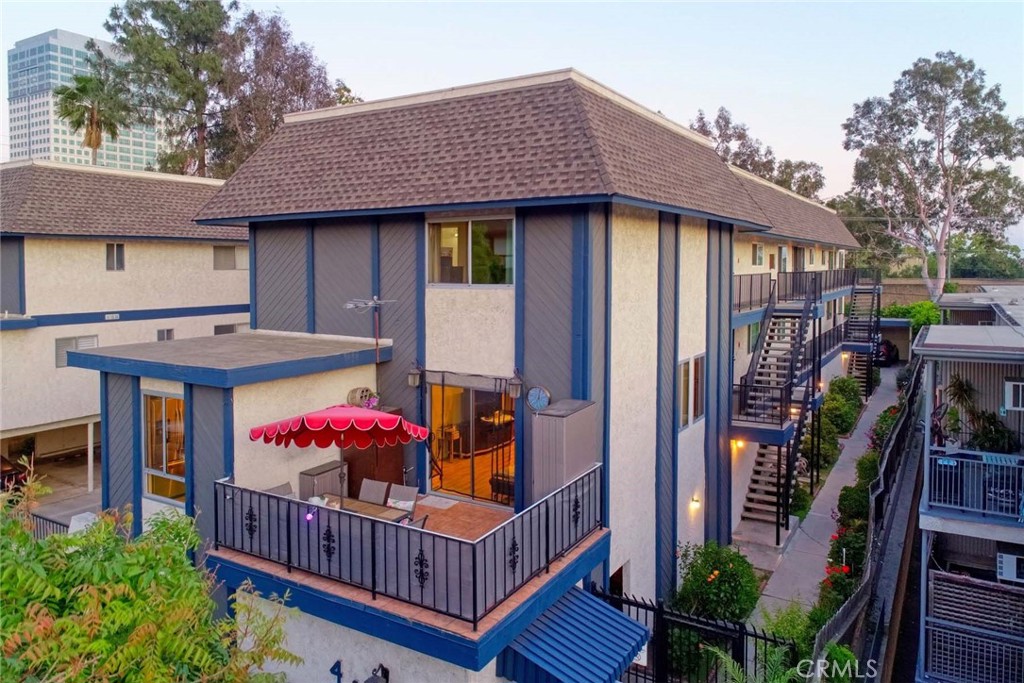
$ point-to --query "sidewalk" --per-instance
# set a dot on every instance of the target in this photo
(802, 566)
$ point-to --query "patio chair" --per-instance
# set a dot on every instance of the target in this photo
(403, 498)
(373, 491)
(420, 523)
(284, 490)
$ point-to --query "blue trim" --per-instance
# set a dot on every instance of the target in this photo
(894, 322)
(747, 317)
(660, 590)
(92, 317)
(137, 437)
(104, 446)
(402, 631)
(190, 473)
(834, 294)
(675, 402)
(21, 276)
(519, 354)
(767, 434)
(581, 272)
(252, 279)
(423, 460)
(229, 433)
(524, 202)
(605, 400)
(219, 377)
(128, 238)
(310, 281)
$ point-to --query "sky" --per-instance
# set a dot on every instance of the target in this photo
(791, 71)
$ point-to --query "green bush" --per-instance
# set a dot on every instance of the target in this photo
(883, 426)
(903, 377)
(715, 582)
(793, 623)
(867, 468)
(853, 504)
(853, 540)
(876, 378)
(848, 388)
(801, 504)
(950, 287)
(841, 414)
(920, 313)
(842, 663)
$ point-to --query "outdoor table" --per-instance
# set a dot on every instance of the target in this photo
(362, 507)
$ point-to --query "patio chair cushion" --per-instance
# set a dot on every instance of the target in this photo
(406, 505)
(403, 497)
(281, 490)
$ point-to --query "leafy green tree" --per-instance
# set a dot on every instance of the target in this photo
(866, 222)
(734, 144)
(983, 255)
(96, 104)
(100, 606)
(175, 67)
(933, 155)
(343, 94)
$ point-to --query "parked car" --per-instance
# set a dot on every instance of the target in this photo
(12, 474)
(886, 353)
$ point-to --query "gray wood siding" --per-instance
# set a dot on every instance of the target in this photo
(281, 298)
(398, 319)
(12, 279)
(718, 368)
(342, 271)
(664, 467)
(598, 308)
(989, 382)
(207, 453)
(119, 451)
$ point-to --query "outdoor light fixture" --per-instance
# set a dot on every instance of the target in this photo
(694, 503)
(415, 374)
(845, 355)
(310, 512)
(515, 386)
(739, 443)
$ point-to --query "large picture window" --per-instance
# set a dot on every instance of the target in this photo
(163, 447)
(472, 252)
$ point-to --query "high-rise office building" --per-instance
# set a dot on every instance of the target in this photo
(37, 65)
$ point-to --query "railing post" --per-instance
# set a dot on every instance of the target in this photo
(739, 650)
(217, 492)
(373, 561)
(660, 642)
(288, 535)
(476, 609)
(547, 538)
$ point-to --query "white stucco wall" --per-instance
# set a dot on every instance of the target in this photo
(691, 483)
(259, 465)
(36, 393)
(471, 330)
(321, 643)
(70, 276)
(633, 375)
(743, 254)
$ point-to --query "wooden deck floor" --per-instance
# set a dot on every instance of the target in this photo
(479, 468)
(463, 519)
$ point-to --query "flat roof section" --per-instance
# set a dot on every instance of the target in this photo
(973, 342)
(230, 360)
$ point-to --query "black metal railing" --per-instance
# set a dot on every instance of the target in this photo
(751, 291)
(460, 578)
(982, 483)
(829, 340)
(798, 286)
(762, 404)
(676, 649)
(832, 280)
(868, 277)
(44, 526)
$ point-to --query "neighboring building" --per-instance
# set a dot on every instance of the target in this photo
(96, 257)
(37, 65)
(972, 502)
(535, 237)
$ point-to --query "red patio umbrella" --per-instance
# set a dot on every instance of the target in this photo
(342, 426)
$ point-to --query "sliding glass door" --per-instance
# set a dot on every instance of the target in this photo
(472, 442)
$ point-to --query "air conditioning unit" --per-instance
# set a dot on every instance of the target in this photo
(1010, 567)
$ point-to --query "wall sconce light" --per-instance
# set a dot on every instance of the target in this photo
(695, 503)
(845, 355)
(515, 386)
(738, 443)
(415, 376)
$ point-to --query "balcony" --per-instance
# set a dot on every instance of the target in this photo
(365, 558)
(989, 485)
(753, 291)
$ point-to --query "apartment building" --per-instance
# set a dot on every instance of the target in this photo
(553, 268)
(972, 503)
(35, 67)
(95, 257)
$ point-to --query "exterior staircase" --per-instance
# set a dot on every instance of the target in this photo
(863, 326)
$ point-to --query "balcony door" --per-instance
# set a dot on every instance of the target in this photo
(472, 442)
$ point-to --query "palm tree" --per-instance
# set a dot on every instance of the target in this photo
(97, 104)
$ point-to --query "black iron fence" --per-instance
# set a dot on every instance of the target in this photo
(677, 649)
(44, 526)
(837, 279)
(751, 291)
(457, 577)
(762, 404)
(829, 340)
(798, 286)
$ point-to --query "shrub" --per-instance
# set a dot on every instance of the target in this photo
(792, 622)
(849, 547)
(867, 468)
(920, 313)
(848, 388)
(903, 377)
(841, 414)
(715, 582)
(842, 663)
(876, 378)
(883, 426)
(801, 504)
(853, 504)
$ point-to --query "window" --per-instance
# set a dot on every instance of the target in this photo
(757, 254)
(115, 256)
(163, 457)
(165, 335)
(698, 387)
(771, 261)
(65, 344)
(810, 255)
(230, 328)
(1014, 398)
(783, 259)
(224, 258)
(477, 252)
(753, 332)
(683, 393)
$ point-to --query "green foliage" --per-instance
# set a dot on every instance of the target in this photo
(920, 313)
(101, 606)
(853, 504)
(883, 426)
(852, 539)
(848, 388)
(867, 468)
(715, 582)
(841, 414)
(983, 255)
(772, 667)
(792, 622)
(801, 503)
(954, 287)
(903, 377)
(97, 104)
(876, 378)
(991, 435)
(842, 663)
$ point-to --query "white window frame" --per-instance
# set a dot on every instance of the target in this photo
(1013, 394)
(469, 251)
(89, 341)
(147, 471)
(757, 254)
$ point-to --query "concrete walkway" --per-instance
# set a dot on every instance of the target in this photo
(802, 566)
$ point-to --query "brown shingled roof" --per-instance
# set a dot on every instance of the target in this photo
(796, 217)
(547, 136)
(49, 198)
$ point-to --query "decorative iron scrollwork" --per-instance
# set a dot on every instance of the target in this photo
(513, 555)
(251, 523)
(328, 543)
(422, 565)
(576, 511)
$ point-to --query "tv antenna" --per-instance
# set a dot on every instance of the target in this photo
(374, 303)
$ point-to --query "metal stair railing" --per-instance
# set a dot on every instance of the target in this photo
(755, 359)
